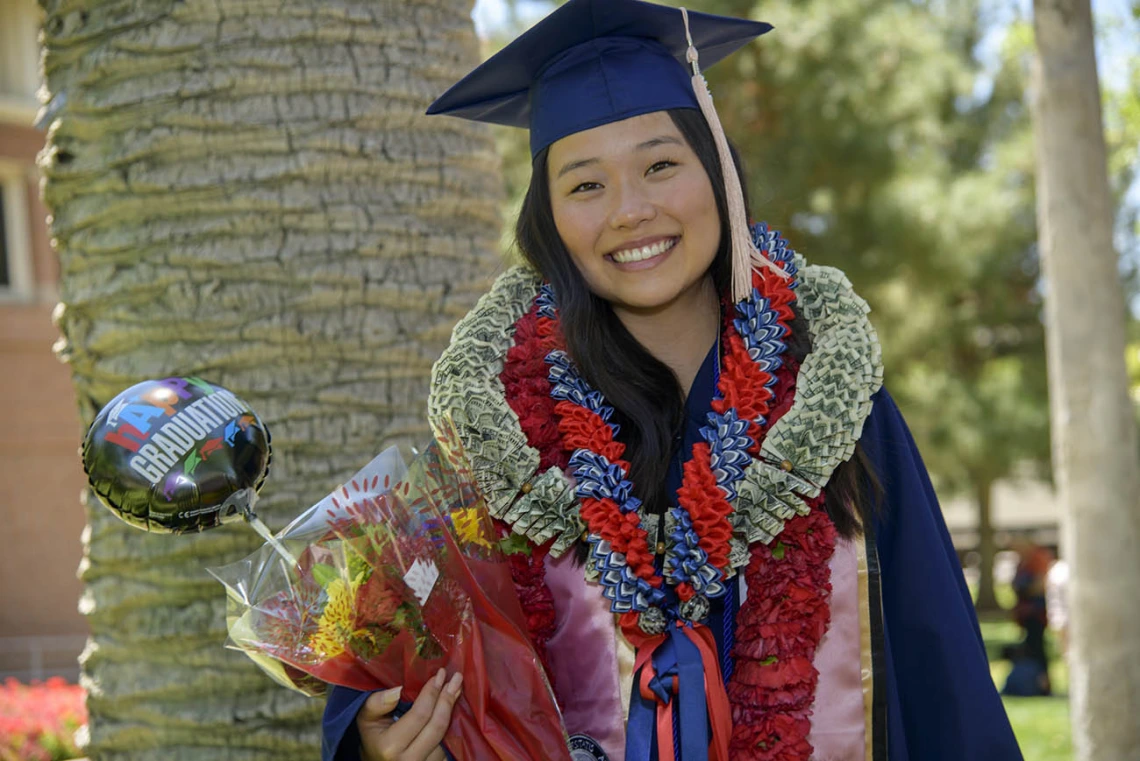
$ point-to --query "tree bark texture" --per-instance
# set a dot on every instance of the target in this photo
(987, 547)
(248, 191)
(1094, 431)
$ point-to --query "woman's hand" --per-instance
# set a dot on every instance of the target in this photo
(416, 736)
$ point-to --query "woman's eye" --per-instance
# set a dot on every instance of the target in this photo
(585, 186)
(660, 165)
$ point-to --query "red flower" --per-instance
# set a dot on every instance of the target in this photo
(787, 671)
(38, 720)
(524, 378)
(776, 737)
(800, 602)
(376, 602)
(528, 572)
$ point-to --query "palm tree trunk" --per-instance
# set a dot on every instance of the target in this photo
(987, 548)
(1094, 431)
(248, 191)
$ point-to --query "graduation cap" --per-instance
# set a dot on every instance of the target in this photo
(593, 62)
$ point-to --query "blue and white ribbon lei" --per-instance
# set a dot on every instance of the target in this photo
(763, 336)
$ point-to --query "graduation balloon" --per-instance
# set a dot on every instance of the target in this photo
(177, 455)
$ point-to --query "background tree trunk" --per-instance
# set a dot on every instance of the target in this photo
(1094, 432)
(987, 548)
(248, 191)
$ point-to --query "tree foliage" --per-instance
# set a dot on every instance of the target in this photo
(881, 144)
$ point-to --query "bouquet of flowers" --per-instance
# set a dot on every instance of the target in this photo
(394, 575)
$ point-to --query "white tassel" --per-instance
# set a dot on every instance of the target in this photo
(745, 255)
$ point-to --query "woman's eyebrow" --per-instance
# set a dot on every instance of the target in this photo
(567, 168)
(656, 141)
(650, 143)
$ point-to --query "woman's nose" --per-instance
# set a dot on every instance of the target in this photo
(631, 209)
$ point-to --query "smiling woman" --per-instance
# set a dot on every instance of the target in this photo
(759, 569)
(639, 223)
(638, 217)
(657, 326)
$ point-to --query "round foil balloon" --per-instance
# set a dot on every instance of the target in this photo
(177, 455)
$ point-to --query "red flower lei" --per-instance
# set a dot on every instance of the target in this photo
(528, 394)
(774, 679)
(524, 377)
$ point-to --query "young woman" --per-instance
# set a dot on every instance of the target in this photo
(733, 549)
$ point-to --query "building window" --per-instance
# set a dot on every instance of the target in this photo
(5, 278)
(16, 281)
(19, 49)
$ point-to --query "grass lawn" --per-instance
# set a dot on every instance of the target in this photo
(1041, 724)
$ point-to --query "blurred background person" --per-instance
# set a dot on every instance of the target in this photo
(1030, 674)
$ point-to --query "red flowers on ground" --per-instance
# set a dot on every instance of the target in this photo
(38, 721)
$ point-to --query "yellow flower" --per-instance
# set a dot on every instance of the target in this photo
(469, 526)
(335, 624)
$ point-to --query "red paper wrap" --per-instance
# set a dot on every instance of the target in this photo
(391, 577)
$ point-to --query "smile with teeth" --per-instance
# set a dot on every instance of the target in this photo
(645, 252)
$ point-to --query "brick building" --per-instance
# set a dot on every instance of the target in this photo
(41, 631)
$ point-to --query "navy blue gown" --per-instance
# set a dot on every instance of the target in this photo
(934, 697)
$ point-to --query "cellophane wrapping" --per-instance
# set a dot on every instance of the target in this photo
(394, 575)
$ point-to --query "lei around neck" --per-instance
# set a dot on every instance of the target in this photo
(696, 554)
(797, 457)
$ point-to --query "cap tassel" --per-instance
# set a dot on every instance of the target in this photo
(745, 255)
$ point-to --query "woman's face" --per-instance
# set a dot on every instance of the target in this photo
(636, 210)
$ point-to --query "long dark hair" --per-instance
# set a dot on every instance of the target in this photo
(648, 401)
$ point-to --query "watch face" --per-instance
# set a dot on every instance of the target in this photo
(586, 748)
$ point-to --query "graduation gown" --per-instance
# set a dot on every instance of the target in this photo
(932, 696)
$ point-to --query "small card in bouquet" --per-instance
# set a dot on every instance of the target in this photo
(394, 575)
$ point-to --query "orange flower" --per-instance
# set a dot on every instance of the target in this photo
(376, 602)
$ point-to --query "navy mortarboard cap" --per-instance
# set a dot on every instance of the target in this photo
(593, 62)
